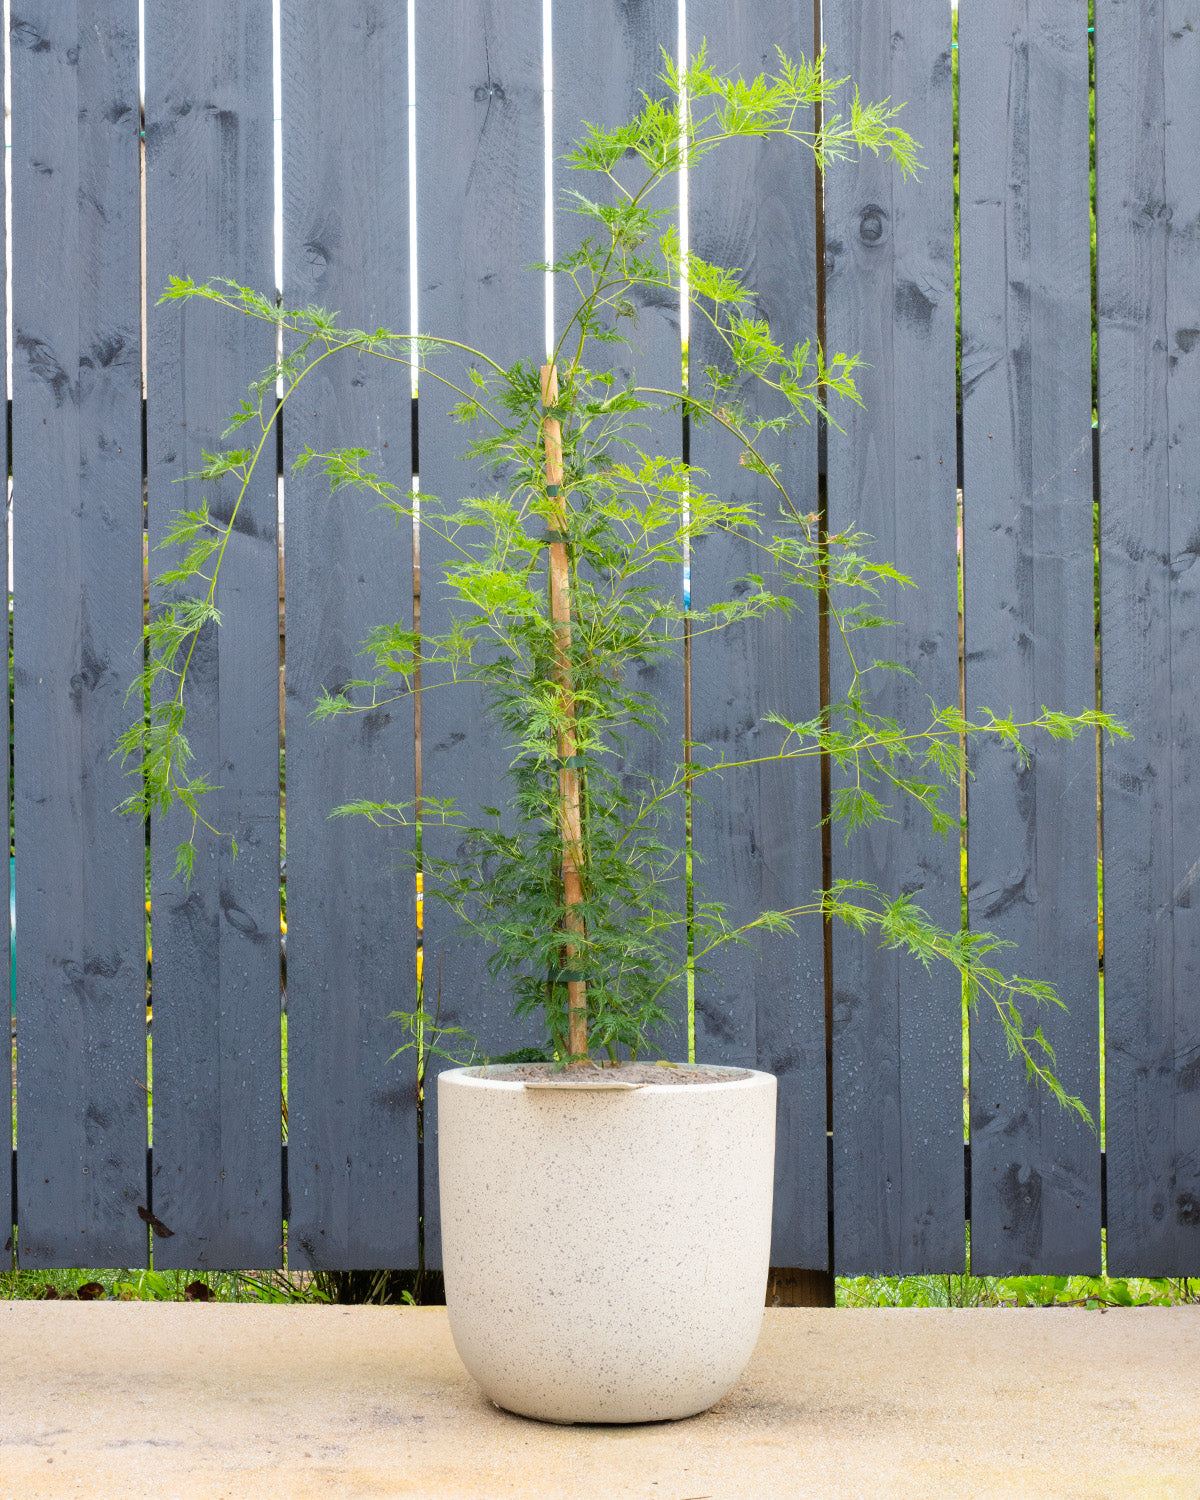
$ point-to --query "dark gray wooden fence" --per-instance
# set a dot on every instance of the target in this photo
(868, 1049)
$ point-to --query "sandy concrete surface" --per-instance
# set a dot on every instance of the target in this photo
(193, 1400)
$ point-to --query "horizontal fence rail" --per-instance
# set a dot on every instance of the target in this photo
(1028, 452)
(161, 1230)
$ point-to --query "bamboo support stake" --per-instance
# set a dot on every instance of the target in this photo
(570, 823)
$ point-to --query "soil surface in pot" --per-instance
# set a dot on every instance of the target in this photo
(589, 1076)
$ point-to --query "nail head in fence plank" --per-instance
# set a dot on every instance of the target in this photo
(216, 949)
(1148, 203)
(480, 224)
(755, 833)
(1027, 506)
(352, 1143)
(889, 279)
(77, 441)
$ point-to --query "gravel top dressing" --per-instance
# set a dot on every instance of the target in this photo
(628, 1075)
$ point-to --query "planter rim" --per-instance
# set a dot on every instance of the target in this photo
(490, 1076)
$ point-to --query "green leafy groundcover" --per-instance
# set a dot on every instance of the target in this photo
(158, 1286)
(852, 1291)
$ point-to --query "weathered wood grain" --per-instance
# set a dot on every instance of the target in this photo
(889, 268)
(81, 1065)
(480, 224)
(1148, 206)
(216, 949)
(1027, 505)
(352, 1113)
(755, 834)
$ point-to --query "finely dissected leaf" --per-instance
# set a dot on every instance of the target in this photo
(185, 859)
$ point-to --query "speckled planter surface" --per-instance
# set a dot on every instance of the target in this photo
(606, 1251)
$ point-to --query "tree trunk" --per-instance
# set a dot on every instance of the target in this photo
(570, 825)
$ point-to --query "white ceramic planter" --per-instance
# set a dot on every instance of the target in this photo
(605, 1251)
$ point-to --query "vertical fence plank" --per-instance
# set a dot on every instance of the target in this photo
(352, 1147)
(630, 39)
(1148, 205)
(897, 1039)
(755, 834)
(216, 1121)
(8, 1206)
(1027, 504)
(480, 221)
(77, 439)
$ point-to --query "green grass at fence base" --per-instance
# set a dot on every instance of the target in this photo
(162, 1286)
(367, 1286)
(1015, 1291)
(381, 1288)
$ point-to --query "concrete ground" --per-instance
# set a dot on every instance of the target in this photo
(199, 1400)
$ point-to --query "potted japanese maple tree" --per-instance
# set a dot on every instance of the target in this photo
(605, 1218)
